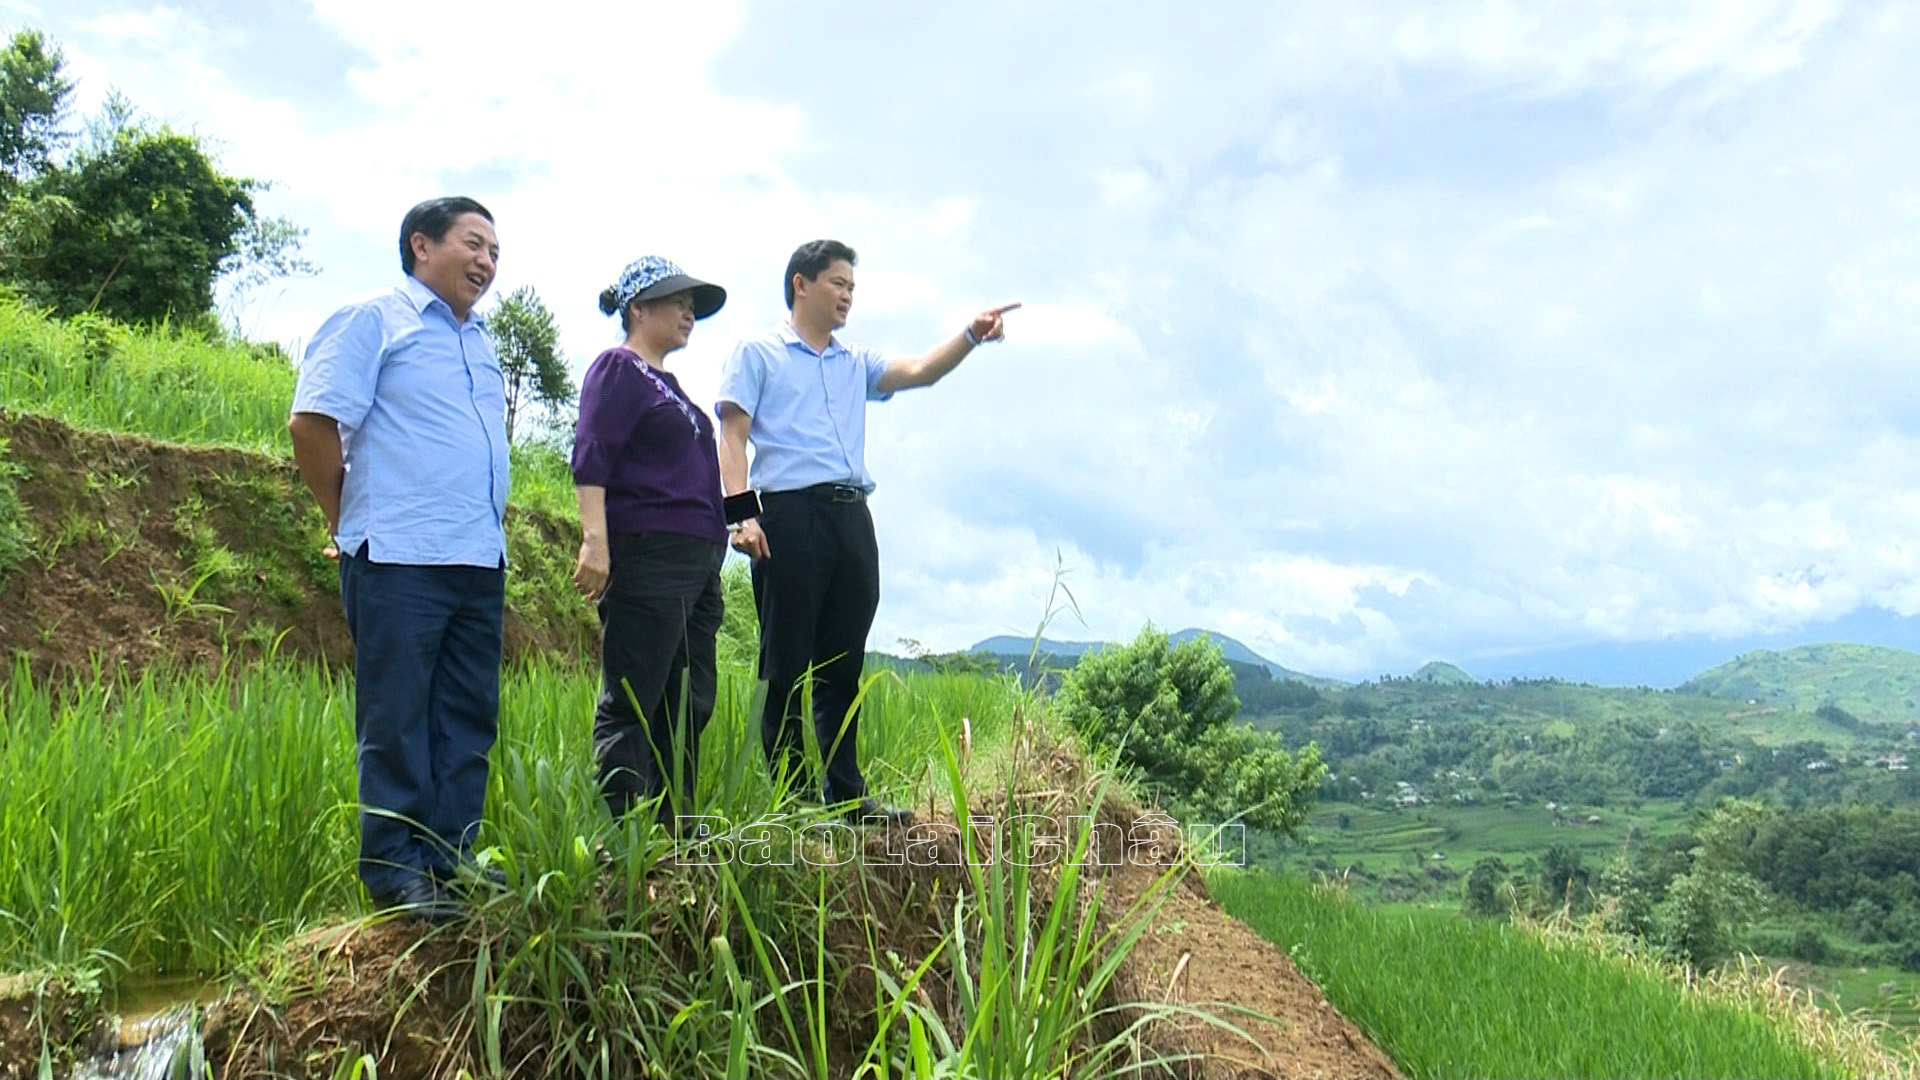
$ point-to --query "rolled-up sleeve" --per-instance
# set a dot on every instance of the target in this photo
(612, 397)
(342, 366)
(743, 377)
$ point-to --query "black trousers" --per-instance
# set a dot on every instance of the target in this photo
(816, 594)
(658, 621)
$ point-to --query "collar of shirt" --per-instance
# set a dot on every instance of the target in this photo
(786, 332)
(423, 297)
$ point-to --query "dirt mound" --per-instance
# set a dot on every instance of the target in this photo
(143, 551)
(40, 1010)
(382, 988)
(1196, 954)
(405, 994)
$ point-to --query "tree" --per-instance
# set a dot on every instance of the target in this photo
(1239, 773)
(528, 342)
(144, 231)
(269, 249)
(1704, 911)
(1483, 888)
(1628, 898)
(1563, 878)
(138, 224)
(1169, 711)
(34, 91)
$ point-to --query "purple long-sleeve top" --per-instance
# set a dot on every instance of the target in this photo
(641, 438)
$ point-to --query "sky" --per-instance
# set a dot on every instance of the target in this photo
(1365, 333)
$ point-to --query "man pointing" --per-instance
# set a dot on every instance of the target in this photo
(798, 394)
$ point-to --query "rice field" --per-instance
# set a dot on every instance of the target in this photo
(1447, 997)
(173, 822)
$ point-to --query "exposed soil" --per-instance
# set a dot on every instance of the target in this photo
(38, 1010)
(147, 552)
(1195, 954)
(361, 978)
(403, 993)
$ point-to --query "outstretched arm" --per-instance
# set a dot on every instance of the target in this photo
(911, 371)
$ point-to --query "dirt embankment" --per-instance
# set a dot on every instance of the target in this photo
(406, 996)
(139, 552)
(42, 1009)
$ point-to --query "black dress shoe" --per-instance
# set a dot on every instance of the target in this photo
(418, 897)
(872, 811)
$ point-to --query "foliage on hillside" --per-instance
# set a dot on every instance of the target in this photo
(136, 222)
(133, 551)
(1873, 683)
(1545, 740)
(1169, 711)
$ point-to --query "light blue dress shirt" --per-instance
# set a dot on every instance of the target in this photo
(422, 409)
(809, 409)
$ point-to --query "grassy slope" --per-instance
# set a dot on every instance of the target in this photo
(226, 524)
(183, 389)
(1446, 997)
(1872, 682)
(1559, 708)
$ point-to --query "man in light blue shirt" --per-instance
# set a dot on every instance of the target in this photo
(399, 430)
(799, 396)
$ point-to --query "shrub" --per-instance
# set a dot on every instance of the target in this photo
(1169, 711)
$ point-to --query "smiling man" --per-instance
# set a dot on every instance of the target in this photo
(399, 429)
(799, 395)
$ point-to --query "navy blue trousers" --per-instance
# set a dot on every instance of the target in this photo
(426, 699)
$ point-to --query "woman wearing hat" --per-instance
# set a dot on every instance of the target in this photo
(654, 533)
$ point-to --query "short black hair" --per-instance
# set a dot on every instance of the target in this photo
(434, 217)
(811, 258)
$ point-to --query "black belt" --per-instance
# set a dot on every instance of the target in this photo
(840, 493)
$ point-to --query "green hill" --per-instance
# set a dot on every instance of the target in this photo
(1443, 673)
(1873, 683)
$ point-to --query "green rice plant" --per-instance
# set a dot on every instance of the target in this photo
(1446, 996)
(184, 824)
(1032, 968)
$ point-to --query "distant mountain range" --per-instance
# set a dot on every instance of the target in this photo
(1873, 682)
(1669, 662)
(1663, 664)
(1008, 645)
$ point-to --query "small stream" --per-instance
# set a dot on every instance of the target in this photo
(147, 1049)
(155, 1039)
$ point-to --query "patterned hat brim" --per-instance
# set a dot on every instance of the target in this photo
(707, 297)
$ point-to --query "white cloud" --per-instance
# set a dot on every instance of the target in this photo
(1366, 333)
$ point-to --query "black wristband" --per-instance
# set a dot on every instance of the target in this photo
(740, 507)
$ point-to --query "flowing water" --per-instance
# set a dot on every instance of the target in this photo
(157, 1046)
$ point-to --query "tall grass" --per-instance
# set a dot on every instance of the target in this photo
(1449, 997)
(178, 386)
(188, 823)
(171, 820)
